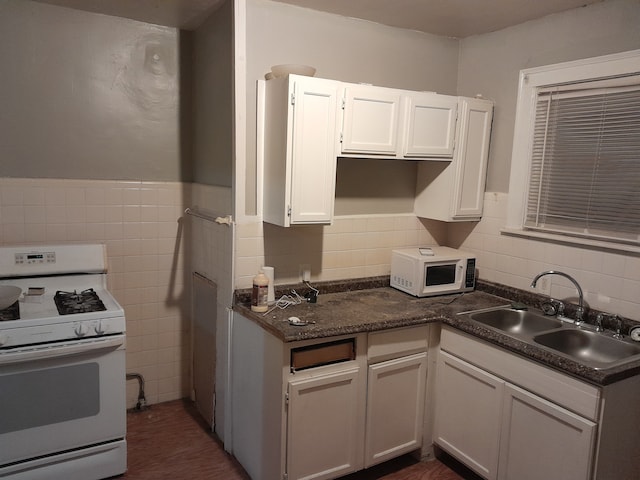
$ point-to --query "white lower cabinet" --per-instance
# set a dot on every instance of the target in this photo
(339, 422)
(320, 409)
(349, 402)
(468, 411)
(323, 433)
(505, 432)
(395, 406)
(542, 440)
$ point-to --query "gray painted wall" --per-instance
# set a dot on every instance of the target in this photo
(349, 50)
(213, 98)
(88, 96)
(84, 97)
(490, 63)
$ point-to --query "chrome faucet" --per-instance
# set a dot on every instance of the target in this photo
(580, 309)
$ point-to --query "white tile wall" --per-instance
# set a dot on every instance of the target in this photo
(610, 281)
(212, 243)
(211, 254)
(360, 247)
(147, 238)
(352, 247)
(140, 222)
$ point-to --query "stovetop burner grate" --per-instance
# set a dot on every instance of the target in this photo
(12, 312)
(82, 302)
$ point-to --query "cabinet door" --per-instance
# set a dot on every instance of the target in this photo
(313, 150)
(454, 191)
(395, 406)
(430, 125)
(371, 116)
(323, 439)
(468, 413)
(542, 440)
(472, 153)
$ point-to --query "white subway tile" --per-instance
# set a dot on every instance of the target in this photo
(12, 214)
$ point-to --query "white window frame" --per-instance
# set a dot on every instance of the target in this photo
(529, 82)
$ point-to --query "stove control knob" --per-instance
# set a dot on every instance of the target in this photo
(100, 330)
(81, 330)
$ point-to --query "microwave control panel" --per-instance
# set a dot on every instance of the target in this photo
(470, 277)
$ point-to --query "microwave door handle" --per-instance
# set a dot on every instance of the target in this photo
(29, 354)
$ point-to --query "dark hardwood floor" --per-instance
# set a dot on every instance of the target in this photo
(171, 441)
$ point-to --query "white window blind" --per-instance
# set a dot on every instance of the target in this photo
(585, 166)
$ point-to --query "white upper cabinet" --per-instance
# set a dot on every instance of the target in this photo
(300, 129)
(383, 122)
(308, 122)
(371, 119)
(472, 142)
(454, 191)
(430, 125)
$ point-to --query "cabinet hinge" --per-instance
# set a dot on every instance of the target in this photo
(293, 99)
(341, 137)
(288, 210)
(344, 103)
(286, 400)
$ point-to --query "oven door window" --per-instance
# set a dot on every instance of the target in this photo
(440, 275)
(48, 396)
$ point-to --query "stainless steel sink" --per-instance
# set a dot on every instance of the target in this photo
(522, 322)
(582, 343)
(594, 349)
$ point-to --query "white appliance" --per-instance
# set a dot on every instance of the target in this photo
(429, 271)
(62, 366)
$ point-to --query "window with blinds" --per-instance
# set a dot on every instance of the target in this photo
(585, 161)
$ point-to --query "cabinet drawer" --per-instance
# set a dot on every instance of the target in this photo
(566, 391)
(388, 344)
(323, 354)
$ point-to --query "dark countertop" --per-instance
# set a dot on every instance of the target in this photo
(365, 311)
(382, 307)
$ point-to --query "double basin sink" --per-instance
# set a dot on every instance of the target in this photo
(598, 350)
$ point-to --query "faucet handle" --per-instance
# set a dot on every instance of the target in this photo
(560, 308)
(618, 323)
(553, 307)
(599, 319)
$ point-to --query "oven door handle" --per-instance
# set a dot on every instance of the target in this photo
(81, 347)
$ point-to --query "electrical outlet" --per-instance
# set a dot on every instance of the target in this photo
(305, 272)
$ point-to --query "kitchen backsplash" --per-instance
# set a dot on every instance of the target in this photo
(355, 247)
(352, 247)
(611, 281)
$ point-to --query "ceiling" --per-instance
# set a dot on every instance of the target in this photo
(451, 18)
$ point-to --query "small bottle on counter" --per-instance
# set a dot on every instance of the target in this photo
(260, 292)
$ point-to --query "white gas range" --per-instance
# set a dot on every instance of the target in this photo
(62, 366)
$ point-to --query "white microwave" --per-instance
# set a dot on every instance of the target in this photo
(425, 272)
